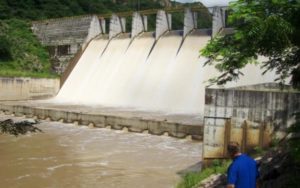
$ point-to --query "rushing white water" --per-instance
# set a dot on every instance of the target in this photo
(147, 75)
(65, 155)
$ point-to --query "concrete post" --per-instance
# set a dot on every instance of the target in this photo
(218, 20)
(169, 21)
(116, 26)
(123, 24)
(137, 24)
(190, 21)
(102, 25)
(145, 21)
(163, 23)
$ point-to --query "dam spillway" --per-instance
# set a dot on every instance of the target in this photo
(140, 74)
(160, 71)
(167, 75)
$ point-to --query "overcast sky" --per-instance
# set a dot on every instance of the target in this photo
(208, 2)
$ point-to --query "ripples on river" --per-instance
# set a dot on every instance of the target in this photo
(66, 155)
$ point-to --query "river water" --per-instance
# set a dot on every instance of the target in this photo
(67, 155)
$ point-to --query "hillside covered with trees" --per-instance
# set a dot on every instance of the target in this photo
(44, 9)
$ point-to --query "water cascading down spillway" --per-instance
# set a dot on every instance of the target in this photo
(163, 73)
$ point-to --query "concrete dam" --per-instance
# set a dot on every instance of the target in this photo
(140, 81)
(161, 71)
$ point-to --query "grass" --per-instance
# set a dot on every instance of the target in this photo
(193, 178)
(10, 71)
(20, 73)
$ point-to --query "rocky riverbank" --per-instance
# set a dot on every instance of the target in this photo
(17, 127)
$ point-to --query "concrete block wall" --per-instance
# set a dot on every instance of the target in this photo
(62, 31)
(250, 115)
(254, 105)
(71, 33)
(27, 88)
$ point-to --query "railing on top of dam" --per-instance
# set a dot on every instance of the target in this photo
(129, 13)
(154, 11)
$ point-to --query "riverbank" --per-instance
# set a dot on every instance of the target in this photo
(277, 166)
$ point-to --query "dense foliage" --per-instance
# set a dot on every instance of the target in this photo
(21, 54)
(43, 9)
(267, 28)
(294, 142)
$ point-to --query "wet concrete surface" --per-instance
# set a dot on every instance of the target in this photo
(192, 119)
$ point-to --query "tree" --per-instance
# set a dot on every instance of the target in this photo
(5, 53)
(269, 28)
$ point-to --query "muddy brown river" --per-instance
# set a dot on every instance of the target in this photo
(66, 155)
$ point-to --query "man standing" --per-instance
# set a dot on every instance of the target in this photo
(242, 172)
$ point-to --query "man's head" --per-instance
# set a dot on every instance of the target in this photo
(233, 149)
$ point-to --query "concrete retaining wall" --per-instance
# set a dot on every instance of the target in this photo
(65, 36)
(138, 125)
(253, 103)
(250, 115)
(27, 88)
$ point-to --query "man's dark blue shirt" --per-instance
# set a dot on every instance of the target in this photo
(242, 172)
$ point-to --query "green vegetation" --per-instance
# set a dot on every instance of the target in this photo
(193, 178)
(21, 54)
(294, 142)
(267, 28)
(44, 9)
